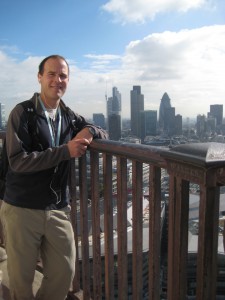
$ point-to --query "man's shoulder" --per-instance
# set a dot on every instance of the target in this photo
(30, 106)
(32, 102)
(22, 108)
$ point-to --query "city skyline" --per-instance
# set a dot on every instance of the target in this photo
(175, 47)
(104, 116)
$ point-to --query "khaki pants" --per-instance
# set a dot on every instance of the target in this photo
(1, 231)
(29, 232)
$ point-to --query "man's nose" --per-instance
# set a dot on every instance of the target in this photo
(58, 78)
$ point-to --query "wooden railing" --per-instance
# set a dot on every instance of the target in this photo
(191, 163)
(111, 257)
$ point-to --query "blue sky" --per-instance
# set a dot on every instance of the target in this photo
(163, 45)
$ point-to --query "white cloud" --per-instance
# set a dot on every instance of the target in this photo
(189, 65)
(18, 79)
(103, 62)
(103, 57)
(140, 10)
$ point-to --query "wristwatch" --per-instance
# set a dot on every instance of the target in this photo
(92, 131)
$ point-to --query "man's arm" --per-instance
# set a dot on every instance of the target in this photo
(85, 133)
(78, 145)
(81, 124)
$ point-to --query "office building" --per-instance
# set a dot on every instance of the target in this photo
(148, 123)
(164, 106)
(99, 120)
(136, 106)
(178, 125)
(216, 111)
(114, 125)
(210, 124)
(2, 116)
(169, 121)
(201, 125)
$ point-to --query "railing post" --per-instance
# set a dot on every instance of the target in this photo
(122, 227)
(72, 185)
(97, 267)
(84, 227)
(171, 240)
(108, 228)
(178, 238)
(137, 223)
(208, 243)
(154, 230)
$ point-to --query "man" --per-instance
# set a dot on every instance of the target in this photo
(35, 212)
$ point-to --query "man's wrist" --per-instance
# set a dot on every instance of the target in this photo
(92, 131)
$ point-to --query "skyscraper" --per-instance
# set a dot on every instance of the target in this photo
(164, 106)
(216, 111)
(2, 116)
(178, 125)
(99, 120)
(148, 123)
(114, 115)
(136, 106)
(114, 103)
(201, 125)
(114, 127)
(169, 121)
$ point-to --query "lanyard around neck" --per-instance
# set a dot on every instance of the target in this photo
(55, 142)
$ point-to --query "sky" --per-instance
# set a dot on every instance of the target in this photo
(169, 46)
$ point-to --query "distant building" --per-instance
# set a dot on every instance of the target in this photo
(169, 121)
(216, 111)
(178, 125)
(136, 106)
(99, 120)
(148, 123)
(114, 129)
(210, 124)
(2, 116)
(163, 108)
(201, 125)
(114, 124)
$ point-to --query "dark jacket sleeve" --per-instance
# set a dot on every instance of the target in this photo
(80, 123)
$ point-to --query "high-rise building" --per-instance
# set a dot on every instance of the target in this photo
(2, 116)
(216, 111)
(99, 120)
(169, 121)
(201, 125)
(148, 123)
(114, 103)
(136, 106)
(178, 125)
(210, 124)
(164, 106)
(114, 125)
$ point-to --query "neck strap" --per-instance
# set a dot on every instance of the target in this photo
(55, 141)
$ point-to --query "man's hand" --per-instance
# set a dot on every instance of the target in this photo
(77, 146)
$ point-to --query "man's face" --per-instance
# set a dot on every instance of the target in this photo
(54, 79)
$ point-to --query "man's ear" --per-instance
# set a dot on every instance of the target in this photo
(39, 77)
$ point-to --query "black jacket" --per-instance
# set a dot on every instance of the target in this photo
(38, 176)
